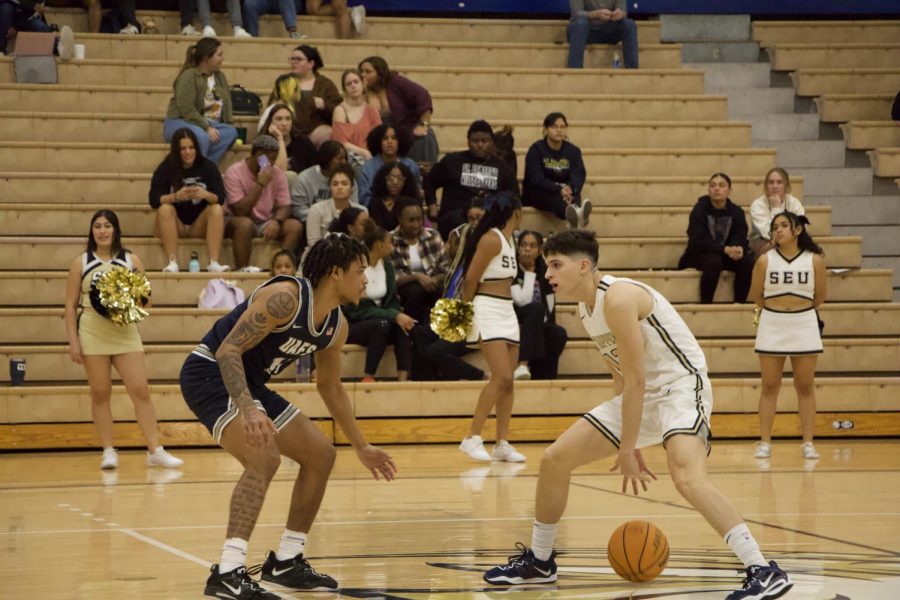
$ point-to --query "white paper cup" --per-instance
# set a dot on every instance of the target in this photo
(79, 51)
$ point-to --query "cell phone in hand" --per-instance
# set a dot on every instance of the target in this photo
(263, 161)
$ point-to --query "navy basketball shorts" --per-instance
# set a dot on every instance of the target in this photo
(205, 394)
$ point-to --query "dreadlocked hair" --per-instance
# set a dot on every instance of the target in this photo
(804, 240)
(498, 210)
(334, 251)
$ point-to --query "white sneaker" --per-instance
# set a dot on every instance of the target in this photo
(110, 459)
(130, 30)
(584, 213)
(240, 32)
(358, 18)
(474, 447)
(66, 43)
(572, 217)
(504, 451)
(215, 267)
(189, 30)
(522, 373)
(208, 31)
(809, 451)
(172, 267)
(763, 450)
(161, 458)
(249, 269)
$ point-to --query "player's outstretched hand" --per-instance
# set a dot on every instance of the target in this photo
(257, 427)
(378, 462)
(634, 470)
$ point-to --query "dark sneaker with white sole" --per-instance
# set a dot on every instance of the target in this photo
(296, 573)
(523, 568)
(763, 582)
(235, 585)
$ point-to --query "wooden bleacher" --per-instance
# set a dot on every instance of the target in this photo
(651, 138)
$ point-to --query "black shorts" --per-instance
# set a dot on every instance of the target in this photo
(205, 394)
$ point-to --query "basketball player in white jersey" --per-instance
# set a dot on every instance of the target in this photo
(663, 395)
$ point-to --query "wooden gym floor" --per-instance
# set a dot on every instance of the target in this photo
(71, 531)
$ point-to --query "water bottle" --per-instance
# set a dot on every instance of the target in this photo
(303, 369)
(194, 265)
(617, 60)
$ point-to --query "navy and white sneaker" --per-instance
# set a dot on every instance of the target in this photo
(297, 574)
(523, 568)
(235, 585)
(763, 582)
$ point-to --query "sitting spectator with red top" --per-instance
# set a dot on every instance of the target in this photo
(259, 204)
(354, 118)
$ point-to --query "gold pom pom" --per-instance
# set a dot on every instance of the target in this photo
(123, 293)
(452, 318)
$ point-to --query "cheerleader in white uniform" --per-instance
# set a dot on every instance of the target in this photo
(99, 345)
(789, 284)
(489, 267)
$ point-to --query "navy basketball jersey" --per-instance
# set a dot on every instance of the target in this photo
(281, 347)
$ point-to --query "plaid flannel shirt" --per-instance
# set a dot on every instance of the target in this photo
(431, 250)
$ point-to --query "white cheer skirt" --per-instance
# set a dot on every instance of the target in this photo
(494, 320)
(788, 333)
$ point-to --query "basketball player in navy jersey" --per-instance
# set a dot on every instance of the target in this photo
(224, 383)
(663, 395)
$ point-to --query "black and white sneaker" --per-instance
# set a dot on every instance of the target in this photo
(523, 568)
(297, 574)
(235, 585)
(763, 582)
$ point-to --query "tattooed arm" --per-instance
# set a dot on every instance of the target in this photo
(272, 307)
(328, 382)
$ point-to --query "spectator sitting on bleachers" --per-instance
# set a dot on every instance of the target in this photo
(202, 100)
(187, 193)
(284, 262)
(457, 237)
(343, 17)
(351, 221)
(555, 174)
(21, 15)
(254, 9)
(601, 22)
(378, 319)
(354, 118)
(121, 19)
(285, 90)
(318, 94)
(296, 152)
(201, 7)
(419, 260)
(386, 145)
(392, 182)
(465, 175)
(403, 103)
(776, 200)
(313, 184)
(542, 340)
(258, 203)
(321, 214)
(717, 240)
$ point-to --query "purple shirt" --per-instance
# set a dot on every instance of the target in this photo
(407, 100)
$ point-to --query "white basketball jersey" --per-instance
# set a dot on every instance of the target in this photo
(794, 277)
(670, 349)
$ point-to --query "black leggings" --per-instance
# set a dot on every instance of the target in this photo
(376, 335)
(711, 266)
(541, 343)
(416, 301)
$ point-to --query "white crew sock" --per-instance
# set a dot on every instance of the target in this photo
(542, 538)
(292, 543)
(741, 542)
(234, 555)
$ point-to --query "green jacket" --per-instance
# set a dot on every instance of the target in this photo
(390, 306)
(190, 89)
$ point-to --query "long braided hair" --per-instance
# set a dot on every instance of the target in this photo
(334, 251)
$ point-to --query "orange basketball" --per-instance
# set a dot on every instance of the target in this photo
(638, 551)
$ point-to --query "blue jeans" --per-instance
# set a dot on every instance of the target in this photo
(254, 9)
(12, 16)
(214, 152)
(581, 32)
